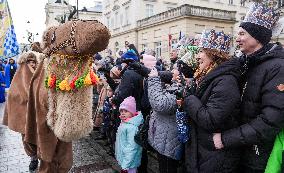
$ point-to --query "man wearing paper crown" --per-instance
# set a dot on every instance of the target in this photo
(213, 106)
(60, 95)
(262, 101)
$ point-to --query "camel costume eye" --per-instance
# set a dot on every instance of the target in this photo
(53, 37)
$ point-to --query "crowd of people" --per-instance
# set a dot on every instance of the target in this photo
(206, 111)
(211, 112)
(8, 70)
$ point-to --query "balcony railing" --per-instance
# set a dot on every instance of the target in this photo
(189, 10)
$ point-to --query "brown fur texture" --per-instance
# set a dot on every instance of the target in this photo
(36, 47)
(37, 132)
(70, 113)
(90, 37)
(98, 117)
(16, 105)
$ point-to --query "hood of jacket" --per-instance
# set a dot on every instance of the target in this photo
(136, 120)
(230, 67)
(267, 52)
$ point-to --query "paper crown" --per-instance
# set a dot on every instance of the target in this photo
(263, 14)
(211, 39)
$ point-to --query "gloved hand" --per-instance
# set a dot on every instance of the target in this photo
(123, 171)
(135, 65)
(191, 89)
(128, 61)
(139, 68)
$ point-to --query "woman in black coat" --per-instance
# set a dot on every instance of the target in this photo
(213, 107)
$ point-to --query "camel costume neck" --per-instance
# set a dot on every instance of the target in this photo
(70, 95)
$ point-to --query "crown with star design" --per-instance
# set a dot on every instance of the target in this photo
(211, 39)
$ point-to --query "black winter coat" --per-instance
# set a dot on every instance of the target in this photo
(261, 107)
(131, 85)
(213, 109)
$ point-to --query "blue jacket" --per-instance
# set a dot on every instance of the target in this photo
(8, 74)
(127, 152)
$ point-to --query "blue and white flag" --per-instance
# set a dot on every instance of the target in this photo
(9, 46)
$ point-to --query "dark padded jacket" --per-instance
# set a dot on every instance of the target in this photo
(261, 107)
(131, 85)
(214, 108)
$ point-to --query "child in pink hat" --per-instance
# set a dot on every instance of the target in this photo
(127, 152)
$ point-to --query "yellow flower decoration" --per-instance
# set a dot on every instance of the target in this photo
(64, 85)
(49, 80)
(87, 80)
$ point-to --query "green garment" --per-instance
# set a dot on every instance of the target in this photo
(274, 164)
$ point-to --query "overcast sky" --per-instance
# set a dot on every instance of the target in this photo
(33, 10)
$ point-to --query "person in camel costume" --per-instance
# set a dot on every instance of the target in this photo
(59, 106)
(17, 99)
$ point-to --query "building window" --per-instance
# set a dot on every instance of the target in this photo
(173, 43)
(107, 2)
(231, 2)
(149, 10)
(116, 20)
(144, 46)
(108, 22)
(280, 3)
(112, 23)
(158, 48)
(121, 18)
(126, 16)
(116, 46)
(243, 3)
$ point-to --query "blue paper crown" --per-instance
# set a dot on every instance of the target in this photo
(263, 14)
(211, 39)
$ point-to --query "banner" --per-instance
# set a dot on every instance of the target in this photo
(9, 46)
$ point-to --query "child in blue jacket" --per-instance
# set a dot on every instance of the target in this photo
(127, 152)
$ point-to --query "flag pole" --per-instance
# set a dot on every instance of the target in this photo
(77, 10)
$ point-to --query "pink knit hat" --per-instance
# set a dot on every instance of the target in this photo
(129, 104)
(149, 61)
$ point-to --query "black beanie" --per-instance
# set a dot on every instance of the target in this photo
(260, 33)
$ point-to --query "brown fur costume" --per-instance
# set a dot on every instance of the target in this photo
(86, 38)
(16, 105)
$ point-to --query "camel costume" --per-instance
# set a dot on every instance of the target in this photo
(60, 93)
(16, 105)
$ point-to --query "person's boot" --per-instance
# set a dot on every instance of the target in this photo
(33, 164)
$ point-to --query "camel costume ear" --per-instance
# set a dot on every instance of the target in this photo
(46, 39)
(30, 55)
(68, 78)
(36, 47)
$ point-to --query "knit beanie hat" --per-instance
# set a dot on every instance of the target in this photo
(129, 55)
(260, 33)
(149, 61)
(261, 20)
(98, 57)
(128, 104)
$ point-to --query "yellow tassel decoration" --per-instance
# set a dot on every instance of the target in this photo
(87, 80)
(64, 86)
